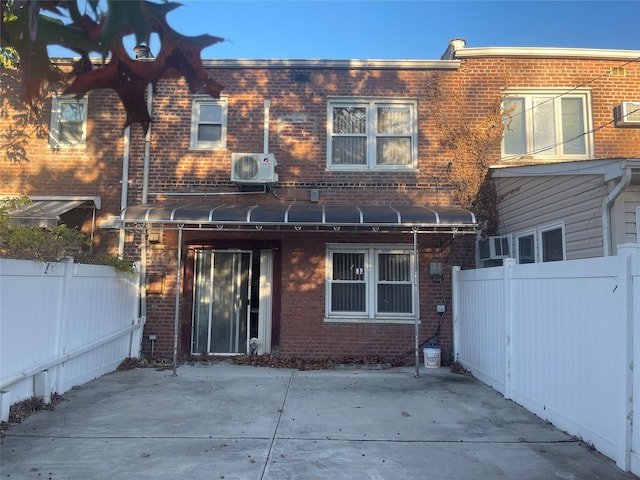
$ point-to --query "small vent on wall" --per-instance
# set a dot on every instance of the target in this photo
(618, 72)
(301, 77)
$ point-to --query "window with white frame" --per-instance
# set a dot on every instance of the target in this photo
(552, 244)
(374, 133)
(369, 283)
(526, 247)
(68, 121)
(208, 123)
(548, 124)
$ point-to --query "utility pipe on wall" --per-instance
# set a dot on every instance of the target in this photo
(125, 187)
(145, 200)
(606, 209)
(267, 105)
(416, 301)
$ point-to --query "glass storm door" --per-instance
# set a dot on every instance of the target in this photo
(221, 303)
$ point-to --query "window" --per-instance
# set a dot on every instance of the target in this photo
(208, 123)
(551, 240)
(549, 124)
(371, 283)
(526, 247)
(68, 122)
(371, 134)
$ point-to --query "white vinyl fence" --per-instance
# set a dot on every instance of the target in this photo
(61, 325)
(558, 338)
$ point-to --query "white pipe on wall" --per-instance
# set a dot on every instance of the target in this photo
(606, 210)
(124, 188)
(267, 106)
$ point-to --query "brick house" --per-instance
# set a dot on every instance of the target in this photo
(312, 206)
(567, 176)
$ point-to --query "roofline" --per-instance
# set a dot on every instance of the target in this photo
(352, 64)
(546, 52)
(310, 64)
(610, 168)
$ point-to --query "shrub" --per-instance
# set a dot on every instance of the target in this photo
(48, 245)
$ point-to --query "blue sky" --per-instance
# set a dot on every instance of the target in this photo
(398, 29)
(403, 29)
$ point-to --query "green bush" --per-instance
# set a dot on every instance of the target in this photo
(48, 245)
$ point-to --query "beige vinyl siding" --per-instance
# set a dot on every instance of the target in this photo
(535, 201)
(631, 200)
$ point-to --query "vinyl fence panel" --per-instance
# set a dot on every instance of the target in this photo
(63, 324)
(566, 336)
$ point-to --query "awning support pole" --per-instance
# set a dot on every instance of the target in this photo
(176, 318)
(416, 300)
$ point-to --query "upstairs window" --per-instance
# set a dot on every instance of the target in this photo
(548, 125)
(68, 122)
(371, 134)
(208, 123)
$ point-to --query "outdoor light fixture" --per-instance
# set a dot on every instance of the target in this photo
(143, 52)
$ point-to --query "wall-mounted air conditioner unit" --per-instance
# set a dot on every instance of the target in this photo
(627, 114)
(253, 168)
(495, 248)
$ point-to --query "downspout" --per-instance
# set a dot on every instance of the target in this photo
(606, 210)
(145, 200)
(267, 105)
(176, 316)
(125, 187)
(416, 301)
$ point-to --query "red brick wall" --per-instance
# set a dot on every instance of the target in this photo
(297, 137)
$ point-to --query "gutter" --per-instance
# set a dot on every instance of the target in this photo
(606, 209)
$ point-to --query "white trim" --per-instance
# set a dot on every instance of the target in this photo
(196, 102)
(546, 52)
(321, 64)
(554, 97)
(371, 104)
(516, 243)
(370, 252)
(637, 224)
(265, 301)
(54, 131)
(549, 228)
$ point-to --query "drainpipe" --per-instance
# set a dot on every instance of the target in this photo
(125, 187)
(145, 200)
(606, 209)
(416, 302)
(265, 127)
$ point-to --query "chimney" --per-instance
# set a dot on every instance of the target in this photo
(454, 45)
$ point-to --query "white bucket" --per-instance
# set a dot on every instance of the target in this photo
(431, 356)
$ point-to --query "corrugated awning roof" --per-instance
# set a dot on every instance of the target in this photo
(45, 211)
(299, 217)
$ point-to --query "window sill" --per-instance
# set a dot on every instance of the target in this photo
(392, 320)
(538, 159)
(67, 146)
(371, 169)
(221, 148)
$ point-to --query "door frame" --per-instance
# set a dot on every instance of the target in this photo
(271, 335)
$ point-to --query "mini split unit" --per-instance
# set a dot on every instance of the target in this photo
(253, 168)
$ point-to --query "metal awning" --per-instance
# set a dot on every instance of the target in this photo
(298, 217)
(45, 211)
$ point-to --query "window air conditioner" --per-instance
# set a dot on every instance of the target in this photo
(253, 168)
(627, 114)
(495, 248)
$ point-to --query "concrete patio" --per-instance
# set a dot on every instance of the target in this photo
(236, 422)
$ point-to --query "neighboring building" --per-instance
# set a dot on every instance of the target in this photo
(566, 179)
(566, 211)
(291, 209)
